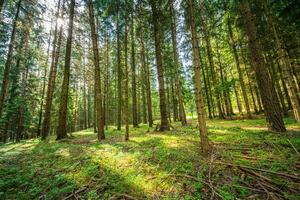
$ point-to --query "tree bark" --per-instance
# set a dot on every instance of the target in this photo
(44, 85)
(133, 77)
(52, 75)
(24, 78)
(126, 106)
(269, 99)
(164, 126)
(206, 148)
(106, 106)
(211, 63)
(119, 75)
(144, 65)
(206, 87)
(285, 64)
(8, 62)
(61, 130)
(240, 73)
(101, 134)
(182, 115)
(85, 124)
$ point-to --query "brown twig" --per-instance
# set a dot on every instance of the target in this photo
(262, 170)
(75, 193)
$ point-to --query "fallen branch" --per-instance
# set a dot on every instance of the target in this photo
(264, 180)
(262, 170)
(75, 193)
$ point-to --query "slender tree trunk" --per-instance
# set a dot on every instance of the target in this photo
(126, 106)
(211, 63)
(164, 126)
(269, 99)
(206, 148)
(274, 79)
(8, 62)
(145, 66)
(143, 96)
(250, 85)
(44, 85)
(240, 73)
(237, 95)
(210, 93)
(133, 75)
(285, 90)
(106, 107)
(168, 99)
(206, 87)
(61, 130)
(95, 112)
(182, 115)
(228, 94)
(101, 134)
(119, 75)
(85, 124)
(52, 75)
(174, 101)
(226, 98)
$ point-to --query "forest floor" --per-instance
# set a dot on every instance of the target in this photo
(248, 162)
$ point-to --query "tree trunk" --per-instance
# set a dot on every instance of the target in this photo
(85, 124)
(8, 62)
(237, 95)
(206, 148)
(25, 70)
(44, 85)
(126, 106)
(285, 64)
(145, 66)
(119, 75)
(143, 96)
(52, 75)
(101, 134)
(164, 126)
(240, 73)
(206, 87)
(174, 102)
(269, 99)
(285, 90)
(61, 130)
(133, 76)
(182, 115)
(211, 63)
(225, 95)
(106, 107)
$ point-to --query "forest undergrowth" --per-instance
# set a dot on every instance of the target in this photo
(248, 162)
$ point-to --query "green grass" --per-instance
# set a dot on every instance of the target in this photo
(152, 165)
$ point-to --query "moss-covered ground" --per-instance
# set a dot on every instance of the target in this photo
(157, 165)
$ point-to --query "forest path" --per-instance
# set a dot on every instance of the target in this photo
(154, 165)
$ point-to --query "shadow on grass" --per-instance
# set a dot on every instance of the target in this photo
(53, 170)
